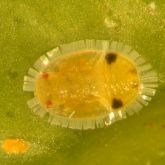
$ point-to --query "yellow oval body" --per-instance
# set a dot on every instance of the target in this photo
(87, 84)
(90, 84)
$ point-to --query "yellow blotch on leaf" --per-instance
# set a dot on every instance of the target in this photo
(15, 146)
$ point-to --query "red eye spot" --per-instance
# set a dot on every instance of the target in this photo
(48, 103)
(45, 75)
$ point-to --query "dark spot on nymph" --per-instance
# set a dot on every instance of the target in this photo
(110, 57)
(116, 103)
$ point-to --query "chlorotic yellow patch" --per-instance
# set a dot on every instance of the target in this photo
(15, 146)
(88, 84)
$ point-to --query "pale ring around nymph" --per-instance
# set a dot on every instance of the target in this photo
(90, 84)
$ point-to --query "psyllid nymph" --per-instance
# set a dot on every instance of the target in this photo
(90, 84)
